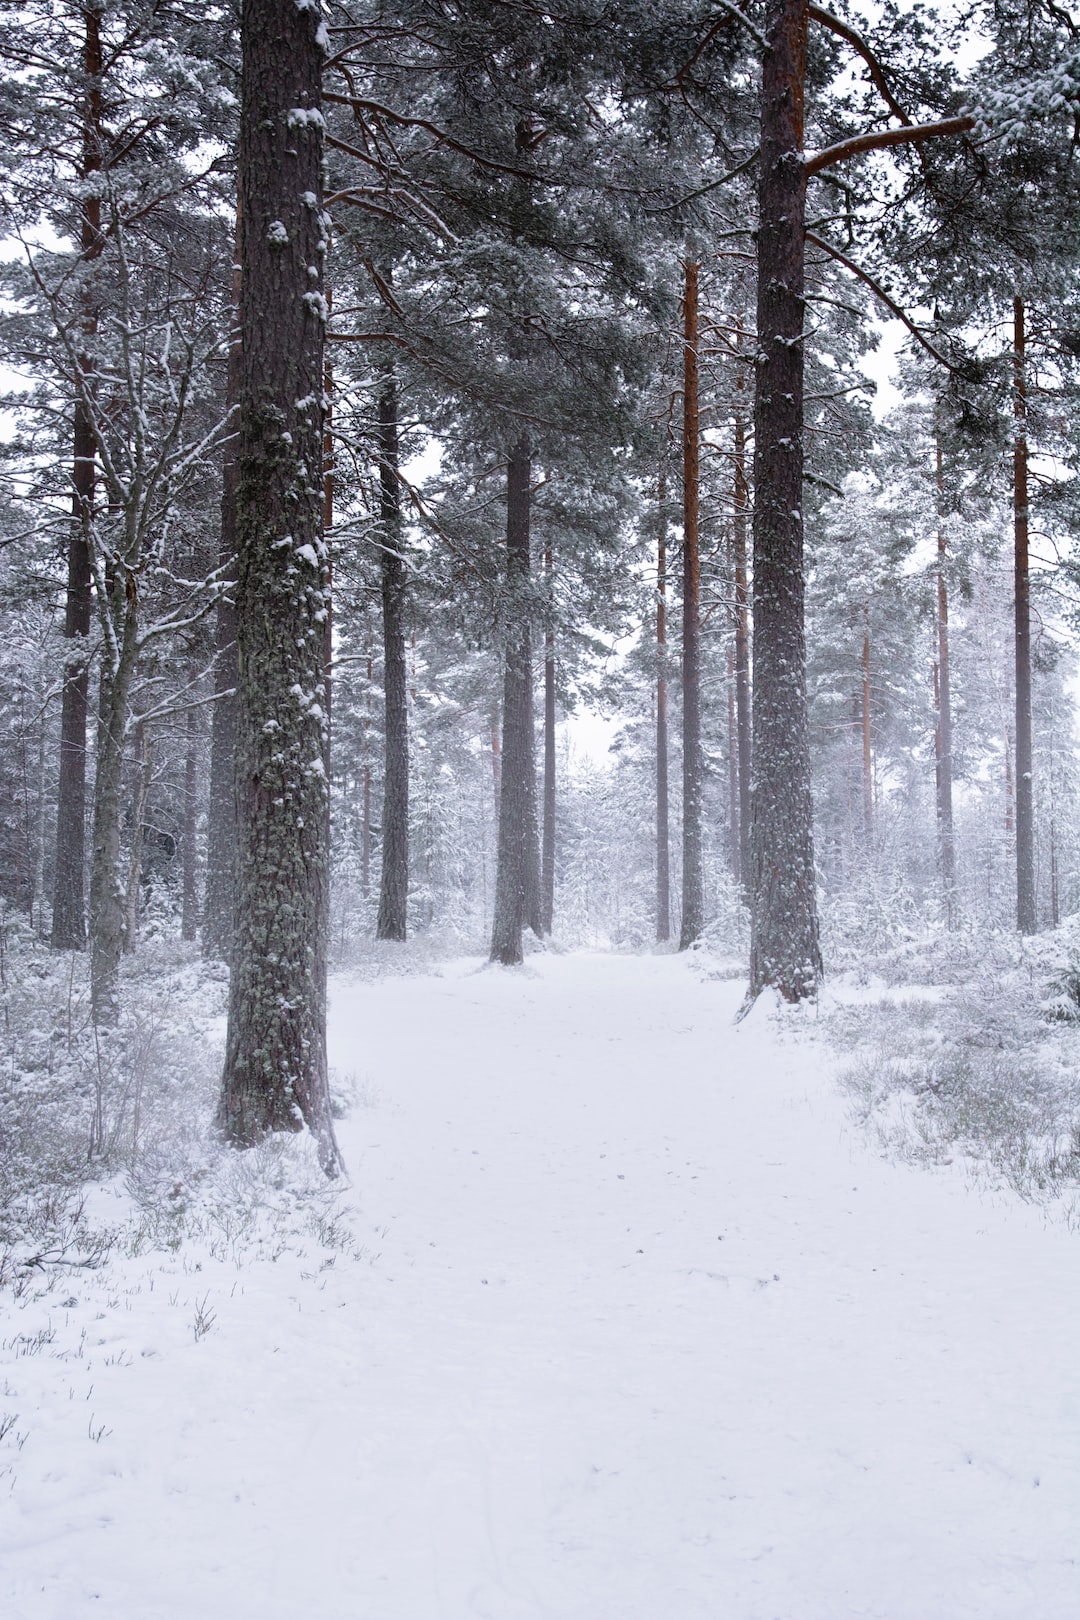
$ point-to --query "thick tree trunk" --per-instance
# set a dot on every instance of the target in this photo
(784, 950)
(742, 626)
(220, 898)
(275, 1064)
(1026, 919)
(547, 858)
(515, 891)
(693, 870)
(189, 915)
(943, 733)
(394, 884)
(867, 750)
(69, 893)
(663, 837)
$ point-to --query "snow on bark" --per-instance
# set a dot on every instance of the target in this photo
(275, 1066)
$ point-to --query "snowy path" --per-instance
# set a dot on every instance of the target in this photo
(648, 1334)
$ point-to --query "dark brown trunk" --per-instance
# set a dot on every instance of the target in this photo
(69, 893)
(742, 625)
(517, 851)
(943, 734)
(394, 883)
(189, 915)
(547, 860)
(220, 897)
(275, 1065)
(663, 837)
(784, 950)
(693, 871)
(1026, 919)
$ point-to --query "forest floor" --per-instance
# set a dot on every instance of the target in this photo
(621, 1317)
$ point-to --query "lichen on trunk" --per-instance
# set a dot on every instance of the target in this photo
(275, 1067)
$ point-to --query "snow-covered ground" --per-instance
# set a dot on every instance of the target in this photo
(635, 1327)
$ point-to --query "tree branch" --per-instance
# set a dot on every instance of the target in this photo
(858, 44)
(879, 291)
(912, 134)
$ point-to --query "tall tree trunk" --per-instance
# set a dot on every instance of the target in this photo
(394, 884)
(69, 893)
(496, 761)
(144, 766)
(220, 898)
(189, 915)
(943, 733)
(1026, 920)
(107, 913)
(547, 859)
(784, 950)
(742, 625)
(275, 1063)
(733, 771)
(693, 871)
(663, 839)
(867, 750)
(517, 852)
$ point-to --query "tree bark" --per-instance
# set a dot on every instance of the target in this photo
(394, 884)
(784, 949)
(663, 838)
(547, 858)
(220, 898)
(1026, 919)
(693, 872)
(275, 1075)
(943, 734)
(189, 914)
(107, 913)
(517, 852)
(742, 626)
(69, 893)
(733, 771)
(867, 750)
(144, 765)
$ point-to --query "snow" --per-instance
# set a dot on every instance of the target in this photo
(636, 1327)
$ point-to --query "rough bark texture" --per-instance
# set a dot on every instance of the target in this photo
(693, 870)
(517, 852)
(275, 1063)
(547, 857)
(943, 733)
(867, 750)
(663, 836)
(143, 763)
(742, 627)
(107, 913)
(69, 893)
(220, 898)
(189, 915)
(784, 949)
(394, 884)
(1026, 920)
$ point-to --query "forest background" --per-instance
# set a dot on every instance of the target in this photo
(587, 390)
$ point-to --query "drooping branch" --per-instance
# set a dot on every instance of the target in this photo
(911, 134)
(878, 290)
(851, 37)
